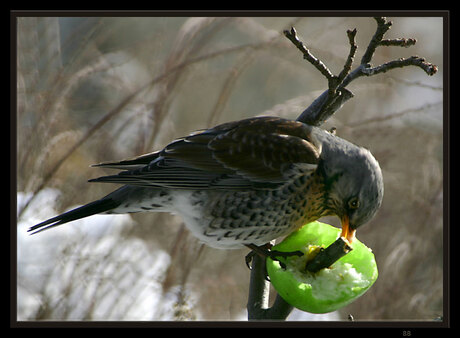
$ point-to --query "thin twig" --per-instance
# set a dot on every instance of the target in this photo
(322, 108)
(336, 95)
(332, 99)
(307, 55)
(348, 64)
(429, 68)
(326, 257)
(382, 27)
(402, 42)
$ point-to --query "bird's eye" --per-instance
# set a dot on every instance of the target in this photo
(353, 203)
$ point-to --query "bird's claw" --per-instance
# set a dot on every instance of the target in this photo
(275, 254)
(265, 251)
(248, 259)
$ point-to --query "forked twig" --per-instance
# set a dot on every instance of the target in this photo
(336, 95)
(307, 55)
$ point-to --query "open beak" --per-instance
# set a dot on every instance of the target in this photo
(347, 232)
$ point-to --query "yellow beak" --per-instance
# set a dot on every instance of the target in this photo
(347, 233)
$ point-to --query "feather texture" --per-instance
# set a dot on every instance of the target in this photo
(251, 153)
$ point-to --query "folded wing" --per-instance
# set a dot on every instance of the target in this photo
(252, 153)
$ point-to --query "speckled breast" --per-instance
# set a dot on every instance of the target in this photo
(259, 216)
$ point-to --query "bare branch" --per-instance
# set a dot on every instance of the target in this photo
(292, 35)
(353, 47)
(259, 289)
(326, 257)
(382, 27)
(259, 292)
(401, 42)
(429, 68)
(336, 95)
(325, 106)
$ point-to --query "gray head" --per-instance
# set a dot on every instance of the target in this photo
(354, 182)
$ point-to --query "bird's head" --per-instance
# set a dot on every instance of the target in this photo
(354, 184)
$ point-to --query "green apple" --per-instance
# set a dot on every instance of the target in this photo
(328, 289)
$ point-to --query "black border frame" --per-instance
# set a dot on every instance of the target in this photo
(402, 328)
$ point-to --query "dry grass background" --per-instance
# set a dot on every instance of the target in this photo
(97, 89)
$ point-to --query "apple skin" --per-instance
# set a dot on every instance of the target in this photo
(301, 294)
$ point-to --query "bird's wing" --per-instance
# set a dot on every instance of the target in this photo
(252, 153)
(132, 163)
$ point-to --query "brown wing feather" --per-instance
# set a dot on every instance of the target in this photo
(249, 153)
(132, 163)
(264, 153)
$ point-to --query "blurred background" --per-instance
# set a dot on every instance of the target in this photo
(94, 89)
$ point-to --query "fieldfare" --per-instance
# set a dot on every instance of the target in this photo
(246, 182)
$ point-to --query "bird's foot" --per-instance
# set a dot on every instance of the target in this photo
(264, 251)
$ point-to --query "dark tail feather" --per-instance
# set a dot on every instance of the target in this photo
(89, 209)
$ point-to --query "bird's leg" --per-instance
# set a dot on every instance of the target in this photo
(264, 251)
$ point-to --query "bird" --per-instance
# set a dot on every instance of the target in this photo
(245, 183)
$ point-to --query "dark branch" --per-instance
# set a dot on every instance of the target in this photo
(292, 36)
(353, 47)
(259, 289)
(332, 99)
(398, 42)
(382, 27)
(336, 95)
(429, 68)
